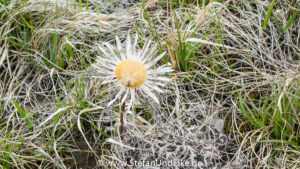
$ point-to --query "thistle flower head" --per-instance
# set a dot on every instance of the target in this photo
(130, 71)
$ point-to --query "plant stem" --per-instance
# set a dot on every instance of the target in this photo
(122, 111)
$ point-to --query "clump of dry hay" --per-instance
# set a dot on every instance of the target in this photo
(191, 133)
(172, 142)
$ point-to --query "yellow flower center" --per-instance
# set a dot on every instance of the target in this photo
(131, 73)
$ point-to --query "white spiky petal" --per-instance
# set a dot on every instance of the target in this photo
(139, 74)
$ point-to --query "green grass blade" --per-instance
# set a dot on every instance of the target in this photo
(290, 22)
(247, 111)
(277, 24)
(279, 142)
(22, 114)
(100, 131)
(107, 6)
(27, 23)
(277, 124)
(269, 14)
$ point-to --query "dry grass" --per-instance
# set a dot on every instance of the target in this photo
(219, 51)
